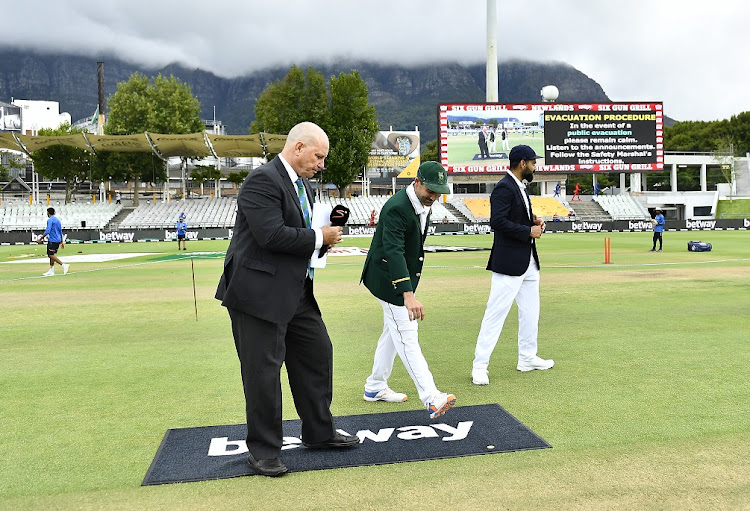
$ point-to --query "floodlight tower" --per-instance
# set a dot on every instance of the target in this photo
(100, 109)
(492, 83)
(549, 95)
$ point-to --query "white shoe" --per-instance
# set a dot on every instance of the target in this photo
(534, 363)
(441, 403)
(387, 395)
(480, 376)
(66, 267)
(49, 273)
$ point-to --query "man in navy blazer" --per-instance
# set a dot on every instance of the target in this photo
(515, 268)
(267, 288)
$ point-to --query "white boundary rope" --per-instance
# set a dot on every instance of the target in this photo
(440, 267)
(176, 258)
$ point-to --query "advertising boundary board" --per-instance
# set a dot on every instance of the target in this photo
(146, 235)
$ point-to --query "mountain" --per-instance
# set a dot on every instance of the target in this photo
(403, 96)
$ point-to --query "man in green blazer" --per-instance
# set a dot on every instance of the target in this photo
(391, 273)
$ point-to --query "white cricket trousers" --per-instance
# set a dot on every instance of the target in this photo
(504, 289)
(400, 336)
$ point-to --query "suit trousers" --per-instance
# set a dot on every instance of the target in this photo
(503, 291)
(400, 336)
(304, 347)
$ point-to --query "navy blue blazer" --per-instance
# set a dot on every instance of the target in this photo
(513, 245)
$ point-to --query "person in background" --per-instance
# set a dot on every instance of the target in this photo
(181, 227)
(515, 268)
(391, 273)
(482, 139)
(576, 193)
(505, 139)
(118, 197)
(659, 224)
(55, 240)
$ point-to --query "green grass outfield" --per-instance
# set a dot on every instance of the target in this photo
(646, 407)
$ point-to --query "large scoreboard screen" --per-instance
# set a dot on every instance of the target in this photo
(568, 137)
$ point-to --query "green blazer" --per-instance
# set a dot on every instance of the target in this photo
(394, 262)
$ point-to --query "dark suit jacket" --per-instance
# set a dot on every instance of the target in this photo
(513, 245)
(394, 262)
(266, 262)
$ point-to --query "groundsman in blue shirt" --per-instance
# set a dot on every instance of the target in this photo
(55, 240)
(659, 223)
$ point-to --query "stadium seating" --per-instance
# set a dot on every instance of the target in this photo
(546, 207)
(361, 208)
(622, 207)
(206, 213)
(19, 216)
(479, 209)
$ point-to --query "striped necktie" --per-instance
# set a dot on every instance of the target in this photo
(303, 201)
(306, 213)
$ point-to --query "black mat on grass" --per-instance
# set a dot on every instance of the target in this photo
(219, 452)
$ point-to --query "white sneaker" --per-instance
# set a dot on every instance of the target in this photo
(534, 363)
(49, 273)
(480, 376)
(387, 395)
(440, 404)
(66, 267)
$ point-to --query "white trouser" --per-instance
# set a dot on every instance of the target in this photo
(400, 336)
(506, 144)
(503, 290)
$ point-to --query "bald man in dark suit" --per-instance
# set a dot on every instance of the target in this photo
(267, 288)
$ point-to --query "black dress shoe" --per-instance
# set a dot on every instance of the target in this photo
(272, 467)
(337, 441)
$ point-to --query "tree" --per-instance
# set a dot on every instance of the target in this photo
(15, 161)
(725, 156)
(63, 162)
(429, 151)
(739, 130)
(237, 177)
(353, 128)
(204, 174)
(348, 118)
(299, 96)
(164, 105)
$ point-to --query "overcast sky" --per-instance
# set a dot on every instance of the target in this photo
(690, 54)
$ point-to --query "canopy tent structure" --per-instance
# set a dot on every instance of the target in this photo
(191, 145)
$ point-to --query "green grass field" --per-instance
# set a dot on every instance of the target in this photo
(646, 407)
(463, 148)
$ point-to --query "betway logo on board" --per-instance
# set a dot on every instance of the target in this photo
(35, 237)
(640, 225)
(116, 236)
(172, 235)
(700, 224)
(222, 446)
(355, 231)
(477, 228)
(586, 226)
